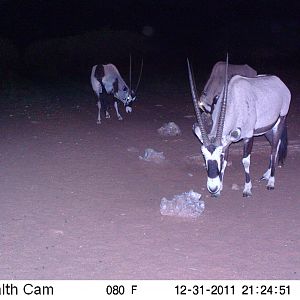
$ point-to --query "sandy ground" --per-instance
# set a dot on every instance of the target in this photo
(78, 203)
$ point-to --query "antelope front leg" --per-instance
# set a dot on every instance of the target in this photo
(99, 110)
(117, 111)
(248, 143)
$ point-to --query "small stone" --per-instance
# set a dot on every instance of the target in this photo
(235, 187)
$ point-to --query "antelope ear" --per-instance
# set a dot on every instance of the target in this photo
(235, 135)
(197, 132)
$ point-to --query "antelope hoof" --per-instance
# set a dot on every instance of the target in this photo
(247, 194)
(98, 122)
(120, 118)
(216, 195)
(266, 175)
(107, 116)
(271, 183)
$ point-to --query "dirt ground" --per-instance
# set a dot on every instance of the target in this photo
(78, 203)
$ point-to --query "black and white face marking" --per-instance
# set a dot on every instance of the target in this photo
(129, 96)
(128, 102)
(214, 158)
(128, 107)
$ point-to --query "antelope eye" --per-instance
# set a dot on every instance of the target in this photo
(124, 88)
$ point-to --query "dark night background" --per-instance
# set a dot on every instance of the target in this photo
(49, 38)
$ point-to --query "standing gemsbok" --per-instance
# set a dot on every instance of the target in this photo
(107, 82)
(249, 107)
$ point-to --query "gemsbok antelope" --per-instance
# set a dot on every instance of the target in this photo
(107, 83)
(249, 107)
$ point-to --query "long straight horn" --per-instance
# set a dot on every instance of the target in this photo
(130, 72)
(197, 110)
(223, 108)
(140, 76)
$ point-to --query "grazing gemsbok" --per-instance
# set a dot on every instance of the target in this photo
(107, 82)
(215, 83)
(249, 107)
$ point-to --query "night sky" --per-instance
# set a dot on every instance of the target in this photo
(27, 20)
(185, 27)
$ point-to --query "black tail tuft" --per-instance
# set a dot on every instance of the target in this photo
(282, 152)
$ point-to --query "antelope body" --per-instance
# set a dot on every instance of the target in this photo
(106, 80)
(107, 83)
(215, 83)
(249, 107)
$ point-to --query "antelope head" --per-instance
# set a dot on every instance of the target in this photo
(213, 148)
